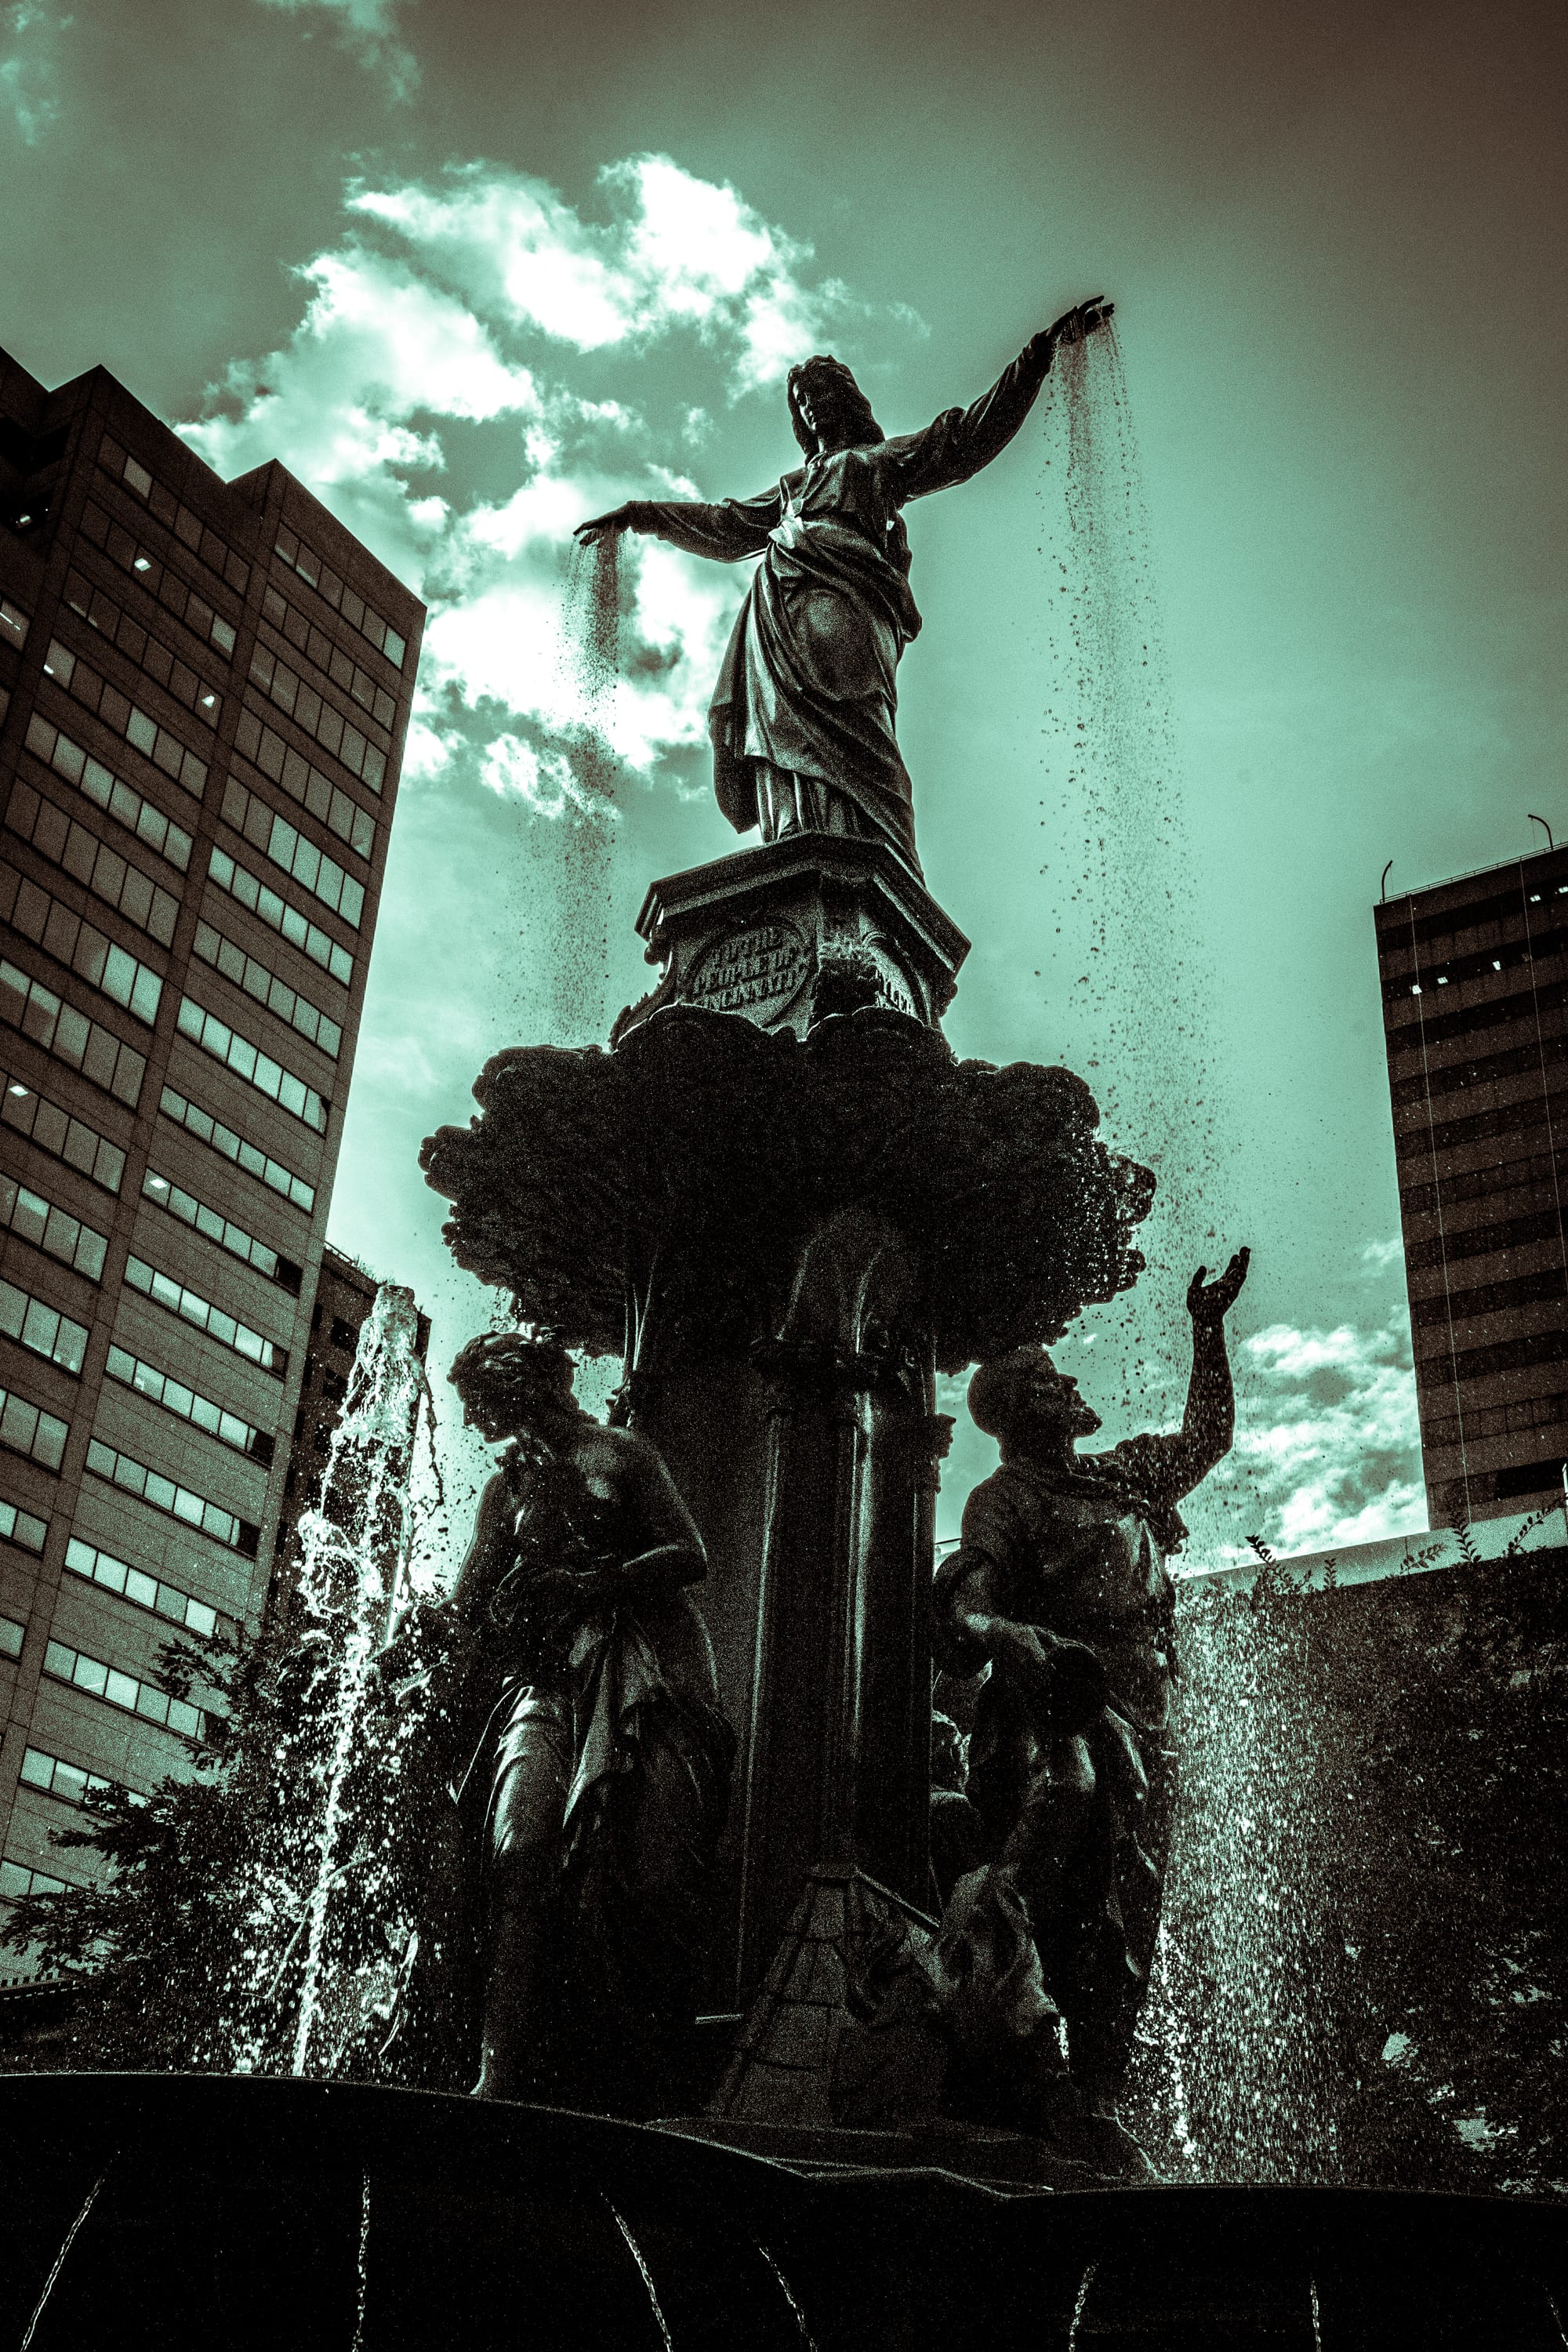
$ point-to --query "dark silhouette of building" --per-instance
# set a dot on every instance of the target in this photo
(1475, 983)
(204, 691)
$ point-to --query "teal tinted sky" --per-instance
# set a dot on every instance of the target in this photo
(380, 244)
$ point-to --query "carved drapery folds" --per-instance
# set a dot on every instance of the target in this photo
(681, 1171)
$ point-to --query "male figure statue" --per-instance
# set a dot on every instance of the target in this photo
(1060, 1584)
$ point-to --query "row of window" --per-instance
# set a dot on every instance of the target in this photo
(92, 863)
(325, 800)
(188, 1404)
(142, 817)
(17, 1880)
(1525, 1006)
(230, 1146)
(1498, 1421)
(149, 653)
(79, 945)
(34, 1323)
(247, 1061)
(165, 1495)
(111, 620)
(123, 717)
(278, 840)
(100, 1680)
(318, 718)
(69, 1036)
(259, 981)
(303, 559)
(26, 1429)
(1474, 914)
(188, 528)
(279, 915)
(20, 1527)
(13, 623)
(338, 664)
(1482, 1240)
(52, 1229)
(215, 1321)
(1487, 1069)
(165, 1193)
(160, 580)
(143, 1592)
(53, 1776)
(55, 1130)
(1482, 1183)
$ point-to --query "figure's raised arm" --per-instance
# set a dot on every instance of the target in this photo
(961, 440)
(727, 533)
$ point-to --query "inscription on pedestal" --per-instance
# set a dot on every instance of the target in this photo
(755, 971)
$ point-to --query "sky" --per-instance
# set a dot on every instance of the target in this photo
(474, 271)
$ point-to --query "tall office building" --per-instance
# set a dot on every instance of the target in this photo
(204, 690)
(1475, 987)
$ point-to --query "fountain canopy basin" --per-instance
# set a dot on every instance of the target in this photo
(695, 1156)
(237, 2210)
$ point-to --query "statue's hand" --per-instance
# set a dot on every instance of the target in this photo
(606, 526)
(1209, 1303)
(1063, 1680)
(1083, 319)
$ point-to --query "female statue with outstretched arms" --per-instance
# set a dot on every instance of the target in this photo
(803, 716)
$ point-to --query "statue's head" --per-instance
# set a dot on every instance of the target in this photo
(826, 403)
(1022, 1394)
(506, 1378)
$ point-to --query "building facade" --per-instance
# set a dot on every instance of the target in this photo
(204, 691)
(1475, 1001)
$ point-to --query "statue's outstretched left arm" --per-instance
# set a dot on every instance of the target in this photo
(961, 440)
(727, 531)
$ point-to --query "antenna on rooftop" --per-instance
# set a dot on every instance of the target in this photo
(1545, 828)
(1383, 886)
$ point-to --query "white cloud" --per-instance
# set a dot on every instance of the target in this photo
(27, 68)
(1376, 1257)
(478, 302)
(1328, 1444)
(368, 28)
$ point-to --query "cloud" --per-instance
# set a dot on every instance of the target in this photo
(458, 333)
(1328, 1444)
(368, 28)
(27, 68)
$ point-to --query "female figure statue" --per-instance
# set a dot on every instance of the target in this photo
(596, 1788)
(803, 716)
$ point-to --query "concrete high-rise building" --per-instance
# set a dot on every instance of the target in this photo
(1475, 1007)
(204, 690)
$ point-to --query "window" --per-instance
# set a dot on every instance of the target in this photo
(188, 1404)
(103, 614)
(118, 712)
(53, 1776)
(51, 1229)
(53, 1130)
(259, 981)
(60, 1030)
(17, 1880)
(248, 1062)
(321, 719)
(100, 1680)
(325, 800)
(93, 862)
(12, 1635)
(22, 1529)
(278, 840)
(192, 1307)
(25, 1430)
(161, 1494)
(220, 1139)
(13, 623)
(165, 1193)
(303, 559)
(340, 664)
(109, 791)
(62, 932)
(143, 1592)
(188, 528)
(241, 884)
(34, 1323)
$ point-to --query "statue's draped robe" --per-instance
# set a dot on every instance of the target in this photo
(809, 683)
